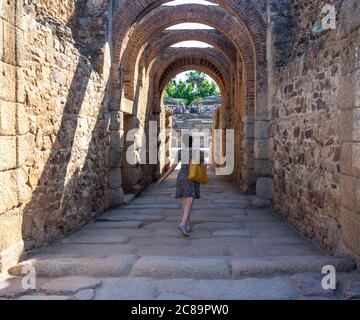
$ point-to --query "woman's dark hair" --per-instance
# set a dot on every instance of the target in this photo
(188, 140)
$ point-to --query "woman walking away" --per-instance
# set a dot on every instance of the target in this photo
(186, 190)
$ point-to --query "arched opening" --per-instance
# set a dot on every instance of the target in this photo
(191, 98)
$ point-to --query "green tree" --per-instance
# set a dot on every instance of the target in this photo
(208, 89)
(170, 89)
(186, 92)
(196, 78)
(193, 89)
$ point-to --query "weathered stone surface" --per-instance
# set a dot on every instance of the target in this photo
(44, 298)
(231, 233)
(92, 267)
(12, 287)
(261, 203)
(265, 188)
(288, 265)
(126, 289)
(116, 225)
(99, 239)
(173, 296)
(69, 285)
(246, 289)
(310, 285)
(87, 294)
(157, 266)
(352, 290)
(126, 217)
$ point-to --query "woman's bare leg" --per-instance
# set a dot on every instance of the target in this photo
(188, 225)
(188, 203)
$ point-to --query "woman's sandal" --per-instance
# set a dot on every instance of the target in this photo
(183, 230)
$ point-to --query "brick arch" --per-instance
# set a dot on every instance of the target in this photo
(163, 17)
(174, 60)
(212, 37)
(131, 11)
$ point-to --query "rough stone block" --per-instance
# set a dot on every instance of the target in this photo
(8, 10)
(350, 225)
(116, 197)
(8, 82)
(117, 139)
(1, 37)
(262, 149)
(115, 158)
(23, 150)
(8, 153)
(116, 120)
(349, 188)
(9, 45)
(262, 130)
(11, 256)
(7, 118)
(22, 119)
(115, 180)
(265, 188)
(263, 167)
(350, 158)
(10, 228)
(349, 91)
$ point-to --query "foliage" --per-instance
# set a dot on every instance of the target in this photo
(193, 90)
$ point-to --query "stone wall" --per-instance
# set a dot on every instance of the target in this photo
(54, 121)
(13, 128)
(314, 130)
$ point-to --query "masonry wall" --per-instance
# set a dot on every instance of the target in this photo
(54, 121)
(315, 128)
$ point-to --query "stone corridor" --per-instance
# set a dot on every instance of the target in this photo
(237, 251)
(82, 91)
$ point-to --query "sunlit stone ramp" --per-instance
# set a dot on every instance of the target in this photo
(237, 251)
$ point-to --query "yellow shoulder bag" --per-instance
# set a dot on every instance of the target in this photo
(197, 173)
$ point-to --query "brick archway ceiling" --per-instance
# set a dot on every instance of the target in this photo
(163, 17)
(175, 60)
(129, 12)
(168, 38)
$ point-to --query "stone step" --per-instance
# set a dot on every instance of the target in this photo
(62, 266)
(181, 267)
(271, 266)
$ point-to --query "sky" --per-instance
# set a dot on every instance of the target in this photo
(179, 2)
(182, 76)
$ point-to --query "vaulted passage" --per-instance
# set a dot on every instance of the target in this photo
(82, 95)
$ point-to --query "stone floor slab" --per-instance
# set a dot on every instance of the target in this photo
(98, 239)
(246, 289)
(69, 285)
(115, 225)
(126, 289)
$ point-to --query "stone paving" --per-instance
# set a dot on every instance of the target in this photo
(237, 251)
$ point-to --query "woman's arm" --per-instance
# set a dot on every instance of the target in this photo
(167, 174)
